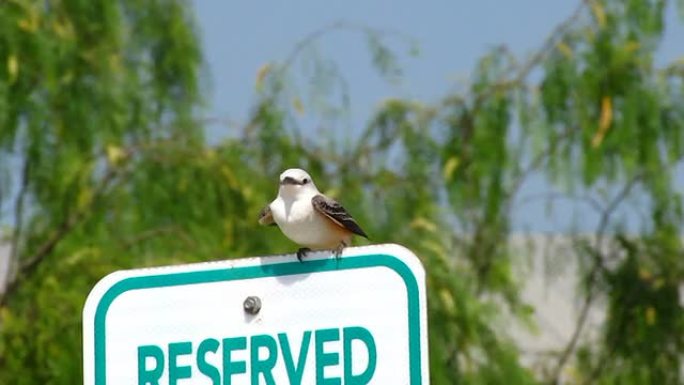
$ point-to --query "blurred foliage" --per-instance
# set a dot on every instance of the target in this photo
(104, 166)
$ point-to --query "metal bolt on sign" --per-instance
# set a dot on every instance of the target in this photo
(252, 304)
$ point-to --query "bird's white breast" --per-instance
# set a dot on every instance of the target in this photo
(300, 222)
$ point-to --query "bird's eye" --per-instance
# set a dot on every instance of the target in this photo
(305, 180)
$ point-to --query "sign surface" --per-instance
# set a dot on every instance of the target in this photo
(359, 319)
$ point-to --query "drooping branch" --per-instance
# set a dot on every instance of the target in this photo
(156, 232)
(340, 25)
(550, 42)
(519, 75)
(117, 168)
(28, 265)
(597, 267)
(557, 195)
(17, 234)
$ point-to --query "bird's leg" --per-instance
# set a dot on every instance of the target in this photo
(301, 253)
(338, 250)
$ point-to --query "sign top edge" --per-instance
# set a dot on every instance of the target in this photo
(398, 251)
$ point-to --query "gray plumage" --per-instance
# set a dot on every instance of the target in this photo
(266, 217)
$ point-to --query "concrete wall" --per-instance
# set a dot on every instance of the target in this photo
(551, 286)
(4, 265)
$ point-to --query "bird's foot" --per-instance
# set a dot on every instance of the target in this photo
(337, 252)
(301, 253)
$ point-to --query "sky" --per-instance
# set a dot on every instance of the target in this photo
(240, 37)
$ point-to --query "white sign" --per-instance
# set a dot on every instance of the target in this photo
(360, 319)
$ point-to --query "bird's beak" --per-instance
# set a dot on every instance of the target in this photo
(289, 180)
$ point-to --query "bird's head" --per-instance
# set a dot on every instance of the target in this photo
(295, 182)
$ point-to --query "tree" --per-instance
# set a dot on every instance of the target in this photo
(135, 184)
(605, 127)
(86, 86)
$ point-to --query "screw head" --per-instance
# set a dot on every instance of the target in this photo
(252, 305)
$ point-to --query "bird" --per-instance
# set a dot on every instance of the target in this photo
(309, 218)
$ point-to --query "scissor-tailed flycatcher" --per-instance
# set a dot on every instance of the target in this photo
(308, 217)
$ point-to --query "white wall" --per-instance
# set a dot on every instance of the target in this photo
(551, 287)
(4, 265)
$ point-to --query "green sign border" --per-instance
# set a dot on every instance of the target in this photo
(261, 271)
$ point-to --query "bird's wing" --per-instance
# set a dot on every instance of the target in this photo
(265, 217)
(335, 212)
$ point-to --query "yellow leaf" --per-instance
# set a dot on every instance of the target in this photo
(115, 154)
(564, 49)
(434, 247)
(210, 154)
(650, 316)
(5, 315)
(12, 68)
(599, 13)
(632, 46)
(28, 25)
(572, 372)
(658, 283)
(230, 177)
(247, 191)
(589, 33)
(31, 22)
(261, 75)
(298, 106)
(605, 120)
(115, 62)
(85, 196)
(423, 224)
(449, 167)
(644, 274)
(79, 256)
(228, 230)
(67, 78)
(63, 30)
(332, 193)
(447, 300)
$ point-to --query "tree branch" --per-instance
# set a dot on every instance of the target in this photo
(557, 195)
(64, 228)
(336, 26)
(18, 225)
(155, 232)
(596, 268)
(521, 74)
(27, 266)
(550, 42)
